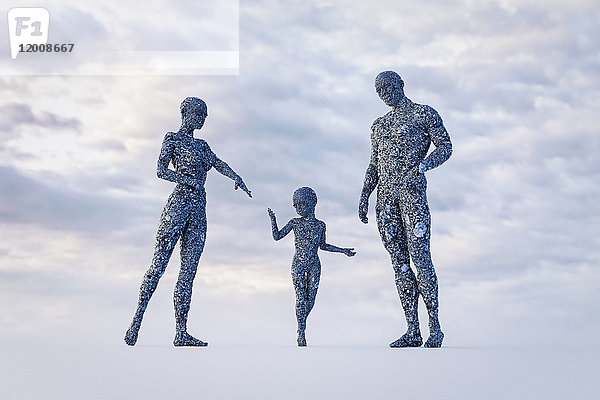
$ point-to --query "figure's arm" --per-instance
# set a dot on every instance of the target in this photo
(349, 251)
(370, 182)
(222, 167)
(441, 140)
(162, 166)
(278, 234)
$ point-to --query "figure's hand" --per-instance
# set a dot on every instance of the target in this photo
(363, 209)
(350, 252)
(271, 213)
(239, 183)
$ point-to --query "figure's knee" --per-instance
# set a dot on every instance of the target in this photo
(419, 245)
(394, 240)
(194, 241)
(192, 246)
(163, 249)
(184, 282)
(189, 267)
(395, 244)
(421, 257)
(402, 268)
(403, 273)
(154, 273)
(406, 282)
(427, 277)
(190, 254)
(312, 293)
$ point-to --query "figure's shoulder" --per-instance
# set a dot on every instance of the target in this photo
(323, 226)
(378, 122)
(426, 110)
(320, 225)
(170, 136)
(204, 147)
(170, 141)
(295, 221)
(203, 144)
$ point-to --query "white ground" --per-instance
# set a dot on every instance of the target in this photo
(286, 372)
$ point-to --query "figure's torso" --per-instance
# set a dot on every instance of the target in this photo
(308, 236)
(402, 141)
(191, 156)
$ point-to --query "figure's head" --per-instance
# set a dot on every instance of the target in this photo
(390, 88)
(305, 201)
(193, 112)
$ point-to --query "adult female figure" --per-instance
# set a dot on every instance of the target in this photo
(183, 217)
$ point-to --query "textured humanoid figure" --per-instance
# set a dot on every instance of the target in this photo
(309, 236)
(183, 217)
(400, 141)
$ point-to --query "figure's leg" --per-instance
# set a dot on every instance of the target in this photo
(300, 286)
(313, 278)
(393, 235)
(418, 228)
(309, 293)
(192, 245)
(169, 230)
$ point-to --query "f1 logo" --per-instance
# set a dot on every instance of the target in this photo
(27, 26)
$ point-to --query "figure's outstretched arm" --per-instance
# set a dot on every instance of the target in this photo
(162, 166)
(370, 183)
(441, 140)
(226, 170)
(349, 251)
(278, 234)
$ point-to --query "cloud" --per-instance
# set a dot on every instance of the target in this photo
(14, 115)
(28, 201)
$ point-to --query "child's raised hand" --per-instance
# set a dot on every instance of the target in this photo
(349, 252)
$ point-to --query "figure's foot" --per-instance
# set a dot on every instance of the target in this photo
(435, 339)
(408, 340)
(131, 335)
(301, 339)
(185, 339)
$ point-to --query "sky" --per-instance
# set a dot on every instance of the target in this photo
(515, 216)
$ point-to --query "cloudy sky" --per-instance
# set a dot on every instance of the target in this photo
(515, 210)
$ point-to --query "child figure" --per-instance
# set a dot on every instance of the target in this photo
(309, 236)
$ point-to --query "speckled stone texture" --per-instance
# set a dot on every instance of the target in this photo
(183, 218)
(400, 141)
(309, 237)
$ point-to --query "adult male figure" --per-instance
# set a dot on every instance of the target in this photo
(400, 141)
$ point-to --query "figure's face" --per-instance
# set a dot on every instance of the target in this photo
(195, 117)
(389, 90)
(303, 207)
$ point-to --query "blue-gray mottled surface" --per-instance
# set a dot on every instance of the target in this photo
(183, 218)
(400, 141)
(309, 237)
